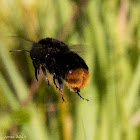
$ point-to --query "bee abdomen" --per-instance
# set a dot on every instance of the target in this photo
(77, 79)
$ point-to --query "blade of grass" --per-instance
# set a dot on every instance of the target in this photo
(133, 91)
(14, 75)
(12, 101)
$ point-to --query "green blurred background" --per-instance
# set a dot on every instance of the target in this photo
(110, 33)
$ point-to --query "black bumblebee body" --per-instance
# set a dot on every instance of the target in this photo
(59, 60)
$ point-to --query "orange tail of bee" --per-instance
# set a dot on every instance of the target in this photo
(77, 79)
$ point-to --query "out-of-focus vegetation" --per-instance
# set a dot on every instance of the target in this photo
(110, 31)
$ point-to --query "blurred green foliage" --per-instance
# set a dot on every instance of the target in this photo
(110, 31)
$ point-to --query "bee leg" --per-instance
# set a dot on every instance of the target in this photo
(54, 77)
(36, 70)
(77, 91)
(44, 72)
(61, 88)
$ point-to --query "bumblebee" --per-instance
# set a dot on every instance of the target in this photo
(65, 65)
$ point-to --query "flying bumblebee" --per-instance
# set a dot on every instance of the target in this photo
(59, 60)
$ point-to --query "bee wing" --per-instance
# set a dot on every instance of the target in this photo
(78, 48)
(81, 49)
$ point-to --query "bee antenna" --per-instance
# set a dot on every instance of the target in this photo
(19, 51)
(22, 38)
